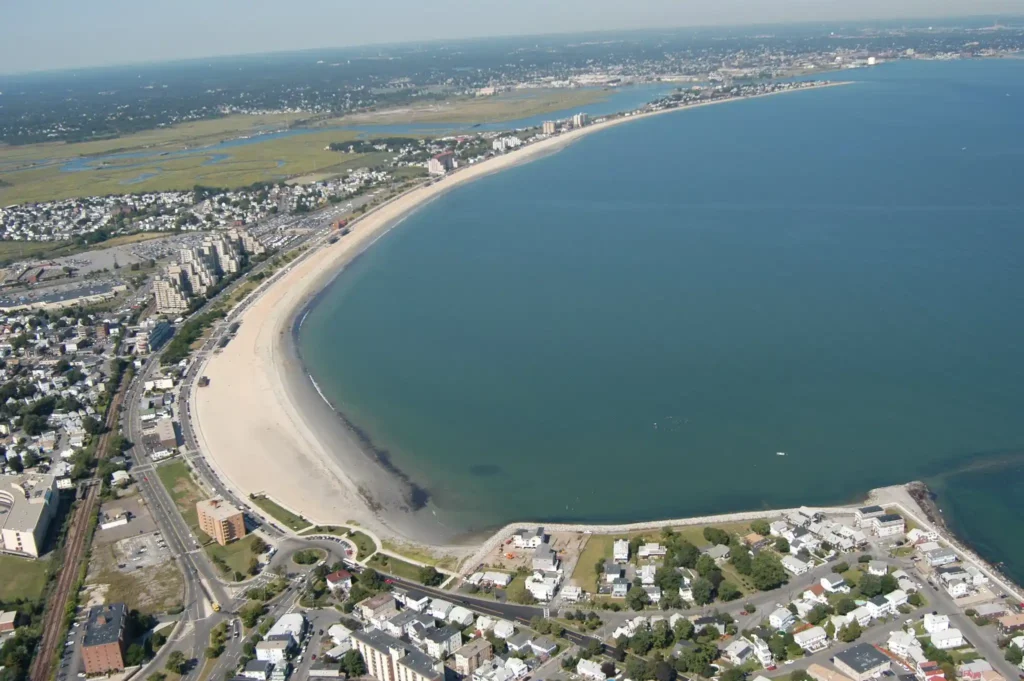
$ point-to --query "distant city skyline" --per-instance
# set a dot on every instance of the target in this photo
(62, 34)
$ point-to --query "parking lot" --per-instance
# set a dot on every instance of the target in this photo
(141, 551)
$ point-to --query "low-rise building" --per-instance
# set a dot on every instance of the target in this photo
(781, 619)
(28, 504)
(812, 640)
(887, 525)
(934, 623)
(861, 662)
(820, 673)
(377, 608)
(620, 551)
(469, 657)
(104, 645)
(947, 639)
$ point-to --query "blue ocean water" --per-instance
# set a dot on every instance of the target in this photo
(633, 328)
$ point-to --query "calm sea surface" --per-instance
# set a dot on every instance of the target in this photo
(633, 328)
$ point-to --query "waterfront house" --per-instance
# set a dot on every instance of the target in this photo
(545, 559)
(652, 550)
(620, 551)
(529, 538)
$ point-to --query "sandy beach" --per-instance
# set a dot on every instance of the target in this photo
(262, 424)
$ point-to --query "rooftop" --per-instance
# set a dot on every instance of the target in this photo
(862, 657)
(104, 624)
(218, 509)
(413, 659)
(23, 499)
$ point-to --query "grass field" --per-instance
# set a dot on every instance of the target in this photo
(504, 107)
(177, 478)
(22, 577)
(395, 566)
(237, 554)
(419, 555)
(364, 544)
(281, 514)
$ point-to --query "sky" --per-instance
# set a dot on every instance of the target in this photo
(54, 34)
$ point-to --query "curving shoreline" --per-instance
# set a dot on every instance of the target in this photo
(265, 427)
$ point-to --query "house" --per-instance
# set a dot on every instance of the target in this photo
(1009, 624)
(257, 669)
(861, 662)
(418, 603)
(840, 621)
(820, 673)
(504, 629)
(543, 646)
(900, 642)
(930, 671)
(653, 594)
(803, 607)
(652, 550)
(545, 559)
(377, 608)
(519, 642)
(572, 594)
(620, 551)
(878, 607)
(341, 636)
(543, 585)
(991, 610)
(498, 579)
(612, 571)
(402, 623)
(647, 573)
(947, 639)
(272, 651)
(862, 615)
(878, 568)
(8, 620)
(620, 587)
(440, 608)
(939, 556)
(812, 640)
(529, 539)
(471, 656)
(589, 669)
(340, 579)
(896, 599)
(918, 535)
(816, 593)
(888, 525)
(738, 652)
(292, 626)
(460, 616)
(794, 565)
(835, 584)
(781, 619)
(754, 540)
(957, 588)
(934, 623)
(973, 671)
(761, 651)
(440, 643)
(720, 552)
(778, 528)
(863, 516)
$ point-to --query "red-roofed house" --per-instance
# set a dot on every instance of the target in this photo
(339, 580)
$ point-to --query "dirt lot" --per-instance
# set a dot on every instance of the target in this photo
(567, 544)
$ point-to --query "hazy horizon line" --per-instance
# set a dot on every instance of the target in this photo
(434, 41)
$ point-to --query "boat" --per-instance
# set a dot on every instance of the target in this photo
(780, 453)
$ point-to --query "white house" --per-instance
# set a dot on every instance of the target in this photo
(795, 565)
(590, 669)
(572, 594)
(835, 584)
(878, 607)
(935, 623)
(900, 642)
(440, 608)
(778, 528)
(503, 629)
(739, 651)
(947, 638)
(896, 599)
(545, 559)
(888, 525)
(862, 615)
(529, 539)
(761, 651)
(811, 640)
(878, 568)
(647, 574)
(620, 551)
(957, 588)
(652, 550)
(440, 643)
(543, 586)
(460, 616)
(781, 619)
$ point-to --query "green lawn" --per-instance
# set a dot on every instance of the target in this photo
(281, 514)
(177, 478)
(396, 567)
(22, 577)
(237, 554)
(598, 547)
(364, 544)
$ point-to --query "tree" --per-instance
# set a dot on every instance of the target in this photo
(782, 545)
(663, 671)
(662, 635)
(175, 662)
(866, 558)
(851, 632)
(636, 598)
(608, 669)
(668, 579)
(258, 546)
(370, 579)
(733, 674)
(840, 568)
(250, 613)
(706, 565)
(800, 675)
(683, 629)
(703, 591)
(716, 536)
(685, 554)
(830, 629)
(353, 665)
(636, 669)
(889, 584)
(741, 560)
(135, 655)
(817, 614)
(641, 642)
(870, 585)
(91, 425)
(767, 571)
(915, 599)
(845, 605)
(157, 676)
(728, 591)
(430, 576)
(254, 565)
(517, 593)
(1014, 655)
(760, 526)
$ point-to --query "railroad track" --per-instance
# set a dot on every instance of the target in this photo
(74, 548)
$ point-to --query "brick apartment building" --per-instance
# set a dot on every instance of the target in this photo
(103, 646)
(222, 521)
